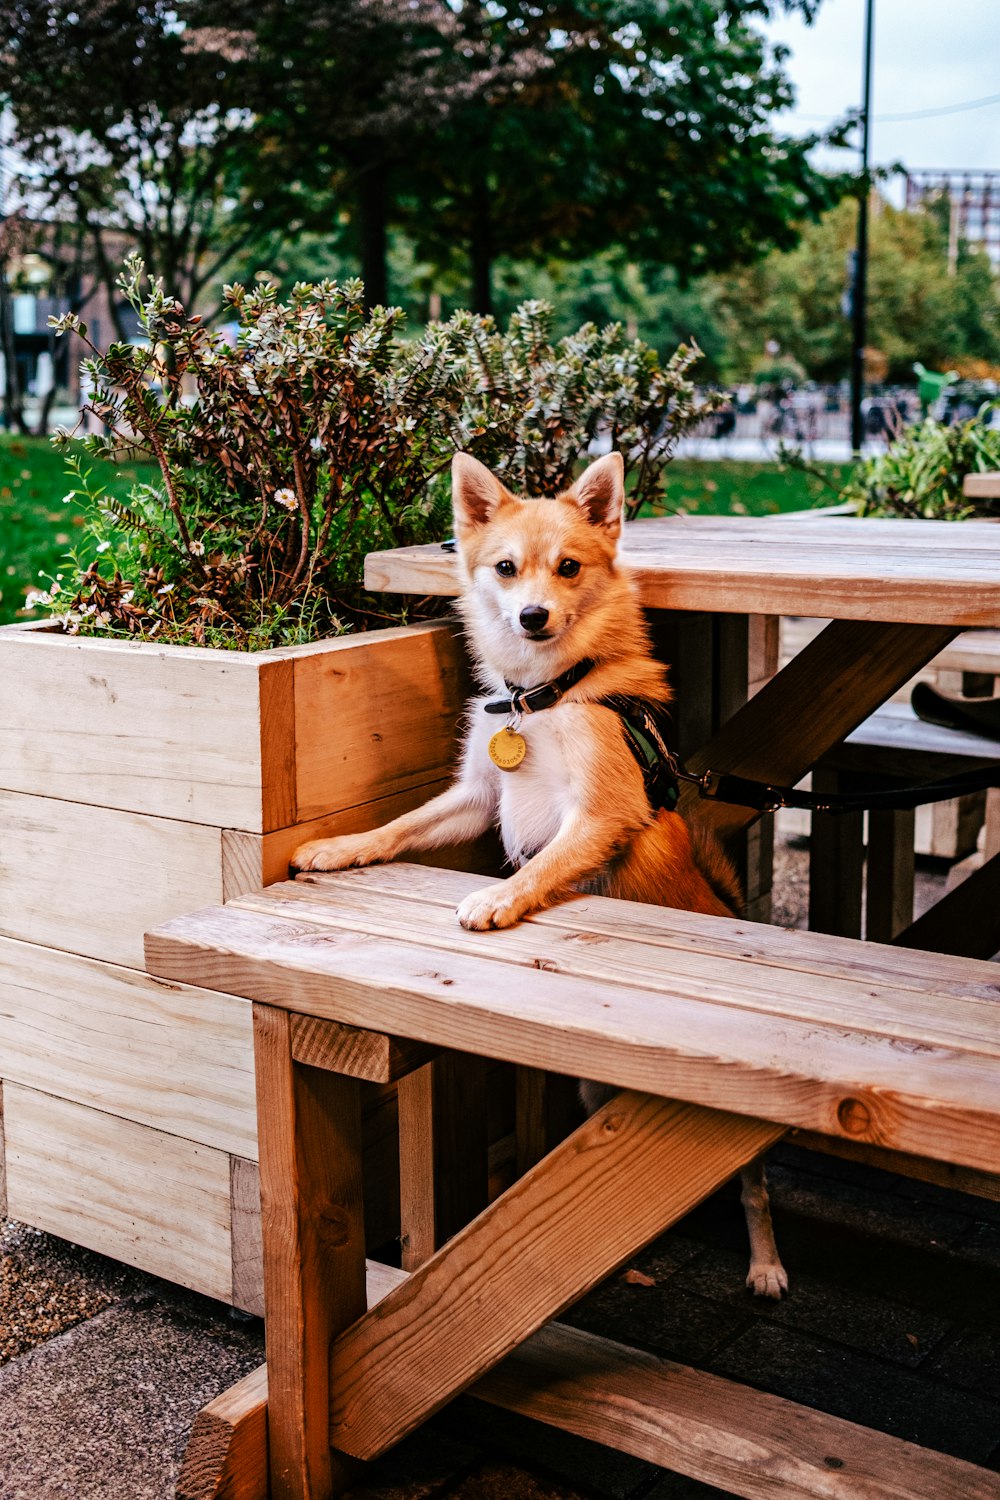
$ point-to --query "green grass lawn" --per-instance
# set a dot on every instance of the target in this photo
(729, 486)
(37, 529)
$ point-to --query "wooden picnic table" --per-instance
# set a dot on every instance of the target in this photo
(896, 592)
(722, 1034)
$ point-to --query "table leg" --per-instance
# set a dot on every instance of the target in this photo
(314, 1250)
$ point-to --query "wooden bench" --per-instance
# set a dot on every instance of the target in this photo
(721, 1033)
(891, 748)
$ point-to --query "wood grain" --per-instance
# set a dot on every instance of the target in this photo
(924, 1096)
(136, 1194)
(634, 1168)
(3, 1161)
(247, 1240)
(376, 714)
(958, 1179)
(90, 880)
(889, 893)
(314, 1248)
(843, 566)
(368, 1055)
(710, 1429)
(170, 1056)
(277, 744)
(981, 486)
(168, 730)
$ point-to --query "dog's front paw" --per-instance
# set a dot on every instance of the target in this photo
(336, 854)
(492, 907)
(768, 1279)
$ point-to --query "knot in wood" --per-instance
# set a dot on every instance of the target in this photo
(854, 1115)
(333, 1225)
(613, 1124)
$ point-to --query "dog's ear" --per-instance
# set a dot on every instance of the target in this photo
(600, 493)
(476, 494)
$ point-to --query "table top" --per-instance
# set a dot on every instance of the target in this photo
(837, 567)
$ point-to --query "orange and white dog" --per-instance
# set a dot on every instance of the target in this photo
(560, 644)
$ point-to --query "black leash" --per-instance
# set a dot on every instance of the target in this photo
(763, 796)
(646, 733)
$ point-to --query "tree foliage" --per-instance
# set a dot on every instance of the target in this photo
(917, 310)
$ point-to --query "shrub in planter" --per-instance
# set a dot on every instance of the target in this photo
(317, 433)
(920, 474)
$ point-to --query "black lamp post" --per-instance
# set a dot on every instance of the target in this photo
(859, 303)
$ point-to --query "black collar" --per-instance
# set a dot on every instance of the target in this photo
(531, 700)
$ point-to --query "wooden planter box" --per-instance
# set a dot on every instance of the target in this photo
(136, 783)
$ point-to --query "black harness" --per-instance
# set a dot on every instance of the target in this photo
(646, 727)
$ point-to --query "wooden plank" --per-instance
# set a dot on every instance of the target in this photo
(965, 921)
(548, 1110)
(935, 1101)
(369, 1055)
(869, 998)
(417, 1200)
(166, 1055)
(894, 742)
(889, 892)
(242, 859)
(746, 1442)
(277, 745)
(136, 1194)
(3, 1161)
(944, 1174)
(171, 731)
(634, 1168)
(247, 1240)
(682, 1419)
(836, 864)
(90, 880)
(314, 1248)
(847, 567)
(226, 1456)
(843, 676)
(443, 1153)
(376, 714)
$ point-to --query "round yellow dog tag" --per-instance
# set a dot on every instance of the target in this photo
(507, 749)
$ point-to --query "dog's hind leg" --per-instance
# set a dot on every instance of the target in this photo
(767, 1276)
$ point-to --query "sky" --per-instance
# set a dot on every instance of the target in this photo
(928, 55)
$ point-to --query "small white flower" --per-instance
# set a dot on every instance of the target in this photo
(198, 549)
(67, 499)
(103, 546)
(286, 498)
(167, 588)
(34, 597)
(128, 596)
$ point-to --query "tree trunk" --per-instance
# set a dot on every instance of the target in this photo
(481, 249)
(372, 215)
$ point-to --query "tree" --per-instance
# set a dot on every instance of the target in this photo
(127, 131)
(916, 309)
(650, 131)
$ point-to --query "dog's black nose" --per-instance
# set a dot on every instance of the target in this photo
(534, 618)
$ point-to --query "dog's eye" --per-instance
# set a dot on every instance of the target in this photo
(506, 568)
(569, 567)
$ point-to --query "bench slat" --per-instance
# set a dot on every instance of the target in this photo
(727, 981)
(942, 1102)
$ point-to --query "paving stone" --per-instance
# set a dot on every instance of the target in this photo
(495, 1481)
(906, 1403)
(103, 1412)
(972, 1360)
(664, 1319)
(679, 1487)
(847, 1314)
(507, 1435)
(427, 1463)
(982, 1245)
(871, 1210)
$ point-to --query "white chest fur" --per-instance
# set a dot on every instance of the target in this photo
(534, 800)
